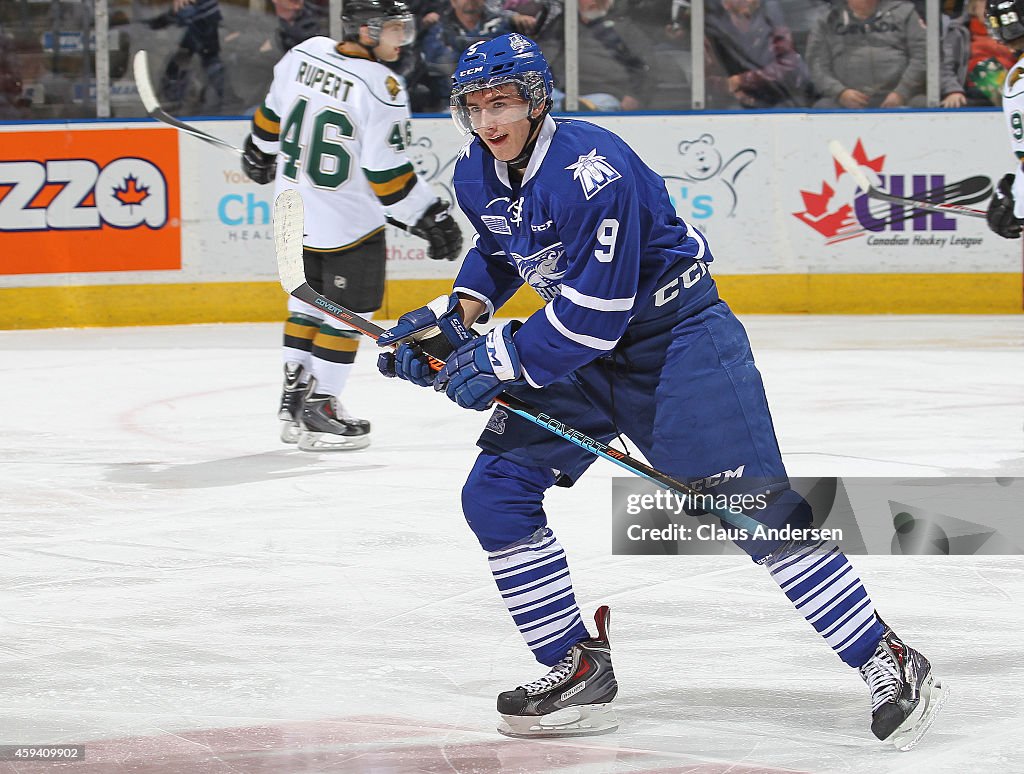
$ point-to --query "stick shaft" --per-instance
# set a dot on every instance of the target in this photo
(140, 68)
(847, 162)
(288, 230)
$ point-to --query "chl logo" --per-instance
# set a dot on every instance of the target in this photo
(126, 193)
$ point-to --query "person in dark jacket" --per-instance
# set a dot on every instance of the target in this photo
(613, 73)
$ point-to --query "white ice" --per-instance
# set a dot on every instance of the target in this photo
(182, 593)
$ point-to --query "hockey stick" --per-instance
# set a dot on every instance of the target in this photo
(847, 162)
(288, 234)
(966, 191)
(140, 66)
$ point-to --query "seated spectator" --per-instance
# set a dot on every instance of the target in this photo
(201, 19)
(612, 73)
(522, 15)
(297, 21)
(13, 102)
(463, 23)
(974, 64)
(750, 58)
(868, 53)
(427, 13)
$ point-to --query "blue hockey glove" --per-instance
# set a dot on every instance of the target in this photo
(482, 368)
(434, 330)
(407, 362)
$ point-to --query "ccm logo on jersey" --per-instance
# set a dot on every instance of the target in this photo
(717, 478)
(667, 292)
(126, 193)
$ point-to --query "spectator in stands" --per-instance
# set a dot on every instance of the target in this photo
(613, 74)
(463, 23)
(297, 21)
(201, 19)
(524, 16)
(868, 53)
(974, 64)
(13, 103)
(750, 58)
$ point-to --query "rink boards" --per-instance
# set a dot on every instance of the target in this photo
(130, 223)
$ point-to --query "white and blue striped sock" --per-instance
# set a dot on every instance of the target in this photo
(533, 578)
(820, 581)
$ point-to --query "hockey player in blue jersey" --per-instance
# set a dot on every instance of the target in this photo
(633, 339)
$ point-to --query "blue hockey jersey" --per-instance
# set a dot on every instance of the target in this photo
(591, 229)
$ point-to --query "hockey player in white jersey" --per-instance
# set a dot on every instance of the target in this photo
(335, 125)
(1006, 209)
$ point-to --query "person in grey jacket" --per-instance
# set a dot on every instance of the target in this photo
(868, 53)
(750, 57)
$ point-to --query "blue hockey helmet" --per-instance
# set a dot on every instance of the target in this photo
(511, 58)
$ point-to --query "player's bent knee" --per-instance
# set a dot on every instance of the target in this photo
(782, 508)
(503, 501)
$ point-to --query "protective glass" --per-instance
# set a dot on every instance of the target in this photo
(396, 30)
(511, 107)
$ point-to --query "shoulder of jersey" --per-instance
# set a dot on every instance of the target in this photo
(1014, 84)
(383, 84)
(471, 157)
(584, 159)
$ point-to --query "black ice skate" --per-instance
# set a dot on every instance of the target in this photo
(905, 695)
(570, 700)
(326, 426)
(291, 402)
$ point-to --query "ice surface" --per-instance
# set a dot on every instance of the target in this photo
(181, 592)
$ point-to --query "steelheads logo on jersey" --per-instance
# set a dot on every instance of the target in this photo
(85, 201)
(840, 211)
(593, 172)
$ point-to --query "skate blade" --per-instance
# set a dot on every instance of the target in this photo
(584, 720)
(328, 442)
(290, 432)
(933, 697)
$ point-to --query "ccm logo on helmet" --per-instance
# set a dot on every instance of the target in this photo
(470, 71)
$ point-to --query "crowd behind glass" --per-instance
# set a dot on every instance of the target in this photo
(215, 57)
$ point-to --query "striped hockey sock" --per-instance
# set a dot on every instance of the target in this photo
(533, 578)
(822, 584)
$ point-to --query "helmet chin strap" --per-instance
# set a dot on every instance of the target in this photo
(519, 162)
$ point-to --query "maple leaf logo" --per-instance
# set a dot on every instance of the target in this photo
(835, 224)
(861, 157)
(131, 193)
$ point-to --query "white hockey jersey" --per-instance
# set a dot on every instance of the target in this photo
(1013, 111)
(339, 124)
